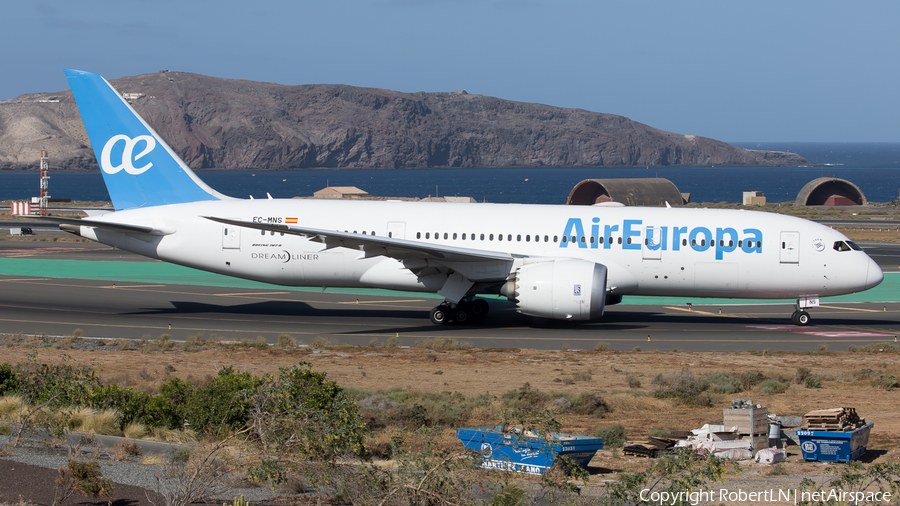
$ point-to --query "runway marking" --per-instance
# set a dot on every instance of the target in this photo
(189, 329)
(25, 279)
(127, 286)
(846, 333)
(376, 301)
(853, 309)
(728, 315)
(243, 294)
(789, 328)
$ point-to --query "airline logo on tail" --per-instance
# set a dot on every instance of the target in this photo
(128, 157)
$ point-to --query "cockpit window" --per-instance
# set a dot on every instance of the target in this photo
(842, 246)
(854, 246)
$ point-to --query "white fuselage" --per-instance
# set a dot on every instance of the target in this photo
(648, 251)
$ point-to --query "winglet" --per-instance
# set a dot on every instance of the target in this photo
(138, 167)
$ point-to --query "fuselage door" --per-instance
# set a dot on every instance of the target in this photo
(790, 247)
(653, 243)
(231, 236)
(396, 229)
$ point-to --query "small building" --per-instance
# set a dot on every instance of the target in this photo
(755, 198)
(340, 192)
(830, 191)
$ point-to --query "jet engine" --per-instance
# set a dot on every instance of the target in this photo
(565, 289)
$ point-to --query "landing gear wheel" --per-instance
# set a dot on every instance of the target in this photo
(479, 308)
(440, 315)
(800, 318)
(461, 315)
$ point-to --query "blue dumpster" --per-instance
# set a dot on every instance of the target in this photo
(533, 454)
(834, 446)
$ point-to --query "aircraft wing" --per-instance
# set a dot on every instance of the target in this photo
(374, 245)
(112, 226)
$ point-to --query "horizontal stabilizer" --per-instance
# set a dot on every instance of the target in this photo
(105, 225)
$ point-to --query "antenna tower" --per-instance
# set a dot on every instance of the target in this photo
(45, 182)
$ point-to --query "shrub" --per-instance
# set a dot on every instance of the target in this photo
(286, 342)
(633, 381)
(591, 404)
(524, 398)
(684, 386)
(443, 344)
(601, 346)
(874, 348)
(771, 386)
(219, 403)
(886, 381)
(9, 380)
(722, 383)
(802, 374)
(812, 382)
(613, 435)
(752, 378)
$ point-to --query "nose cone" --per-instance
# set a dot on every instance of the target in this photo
(874, 275)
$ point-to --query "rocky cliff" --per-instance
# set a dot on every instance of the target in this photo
(233, 124)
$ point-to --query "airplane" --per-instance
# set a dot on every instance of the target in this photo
(554, 261)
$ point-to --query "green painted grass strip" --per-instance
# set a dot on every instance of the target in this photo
(166, 273)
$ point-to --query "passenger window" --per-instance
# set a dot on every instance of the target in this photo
(582, 239)
(730, 244)
(629, 240)
(555, 238)
(464, 236)
(574, 239)
(261, 232)
(527, 238)
(428, 235)
(759, 244)
(592, 239)
(482, 237)
(509, 237)
(499, 237)
(519, 238)
(646, 242)
(620, 240)
(418, 235)
(740, 244)
(454, 235)
(445, 235)
(547, 237)
(610, 239)
(684, 242)
(491, 237)
(565, 239)
(693, 242)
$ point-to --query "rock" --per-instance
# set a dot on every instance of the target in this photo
(232, 124)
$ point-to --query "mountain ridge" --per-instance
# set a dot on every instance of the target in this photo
(218, 123)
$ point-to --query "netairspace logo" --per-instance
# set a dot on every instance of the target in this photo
(793, 496)
(128, 158)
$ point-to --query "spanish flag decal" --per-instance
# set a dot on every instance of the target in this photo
(290, 220)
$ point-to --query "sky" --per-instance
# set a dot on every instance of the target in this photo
(760, 71)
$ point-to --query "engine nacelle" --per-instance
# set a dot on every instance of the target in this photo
(565, 289)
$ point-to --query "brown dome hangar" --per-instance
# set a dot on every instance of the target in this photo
(830, 191)
(651, 191)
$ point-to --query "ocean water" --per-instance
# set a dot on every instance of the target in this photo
(874, 167)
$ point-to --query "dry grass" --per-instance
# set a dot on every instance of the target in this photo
(135, 430)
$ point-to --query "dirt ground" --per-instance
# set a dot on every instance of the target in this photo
(606, 373)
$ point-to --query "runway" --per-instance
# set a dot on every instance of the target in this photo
(53, 288)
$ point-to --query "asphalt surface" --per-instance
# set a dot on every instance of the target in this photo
(135, 309)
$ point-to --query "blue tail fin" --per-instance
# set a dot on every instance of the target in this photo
(139, 168)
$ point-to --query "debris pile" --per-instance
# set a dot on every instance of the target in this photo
(834, 419)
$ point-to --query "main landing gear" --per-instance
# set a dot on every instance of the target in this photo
(462, 313)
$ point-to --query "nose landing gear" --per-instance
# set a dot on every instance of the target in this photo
(801, 316)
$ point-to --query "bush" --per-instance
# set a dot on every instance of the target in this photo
(752, 378)
(722, 383)
(684, 386)
(524, 398)
(886, 381)
(874, 348)
(219, 402)
(812, 382)
(591, 404)
(771, 386)
(9, 380)
(613, 435)
(633, 381)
